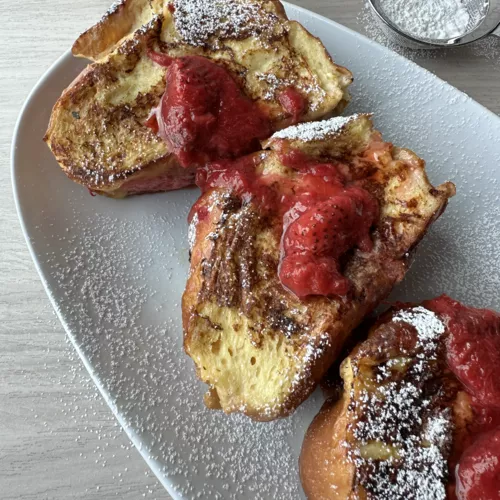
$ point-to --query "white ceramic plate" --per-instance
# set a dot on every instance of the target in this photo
(115, 270)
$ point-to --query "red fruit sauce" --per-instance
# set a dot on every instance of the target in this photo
(323, 216)
(203, 115)
(293, 103)
(472, 348)
(478, 473)
(473, 355)
(318, 230)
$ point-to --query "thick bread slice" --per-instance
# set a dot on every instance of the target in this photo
(394, 387)
(121, 20)
(97, 129)
(260, 349)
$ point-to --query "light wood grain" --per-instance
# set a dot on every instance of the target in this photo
(58, 440)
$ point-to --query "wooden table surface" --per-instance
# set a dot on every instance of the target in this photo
(58, 439)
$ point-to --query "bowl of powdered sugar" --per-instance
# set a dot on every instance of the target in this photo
(429, 24)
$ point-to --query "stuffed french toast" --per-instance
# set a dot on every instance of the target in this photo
(419, 413)
(175, 84)
(291, 247)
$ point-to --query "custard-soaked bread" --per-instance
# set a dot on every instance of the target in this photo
(260, 348)
(408, 411)
(98, 130)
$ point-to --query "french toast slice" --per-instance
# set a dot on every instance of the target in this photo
(418, 415)
(98, 131)
(260, 348)
(401, 417)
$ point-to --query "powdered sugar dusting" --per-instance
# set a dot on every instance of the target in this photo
(192, 231)
(128, 322)
(438, 428)
(400, 422)
(197, 21)
(457, 138)
(315, 131)
(113, 8)
(309, 357)
(428, 325)
(275, 84)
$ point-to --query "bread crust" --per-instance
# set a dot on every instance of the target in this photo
(324, 466)
(119, 22)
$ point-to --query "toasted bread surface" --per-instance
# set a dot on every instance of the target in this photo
(97, 130)
(325, 468)
(401, 418)
(260, 349)
(121, 20)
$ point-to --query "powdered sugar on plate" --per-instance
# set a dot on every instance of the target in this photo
(134, 345)
(315, 131)
(197, 21)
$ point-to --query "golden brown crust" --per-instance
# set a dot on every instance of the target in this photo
(96, 130)
(120, 21)
(325, 470)
(223, 273)
(235, 301)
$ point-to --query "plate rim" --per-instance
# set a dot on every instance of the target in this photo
(65, 58)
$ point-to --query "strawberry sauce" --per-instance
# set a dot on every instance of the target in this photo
(293, 103)
(322, 216)
(203, 115)
(478, 473)
(473, 355)
(473, 348)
